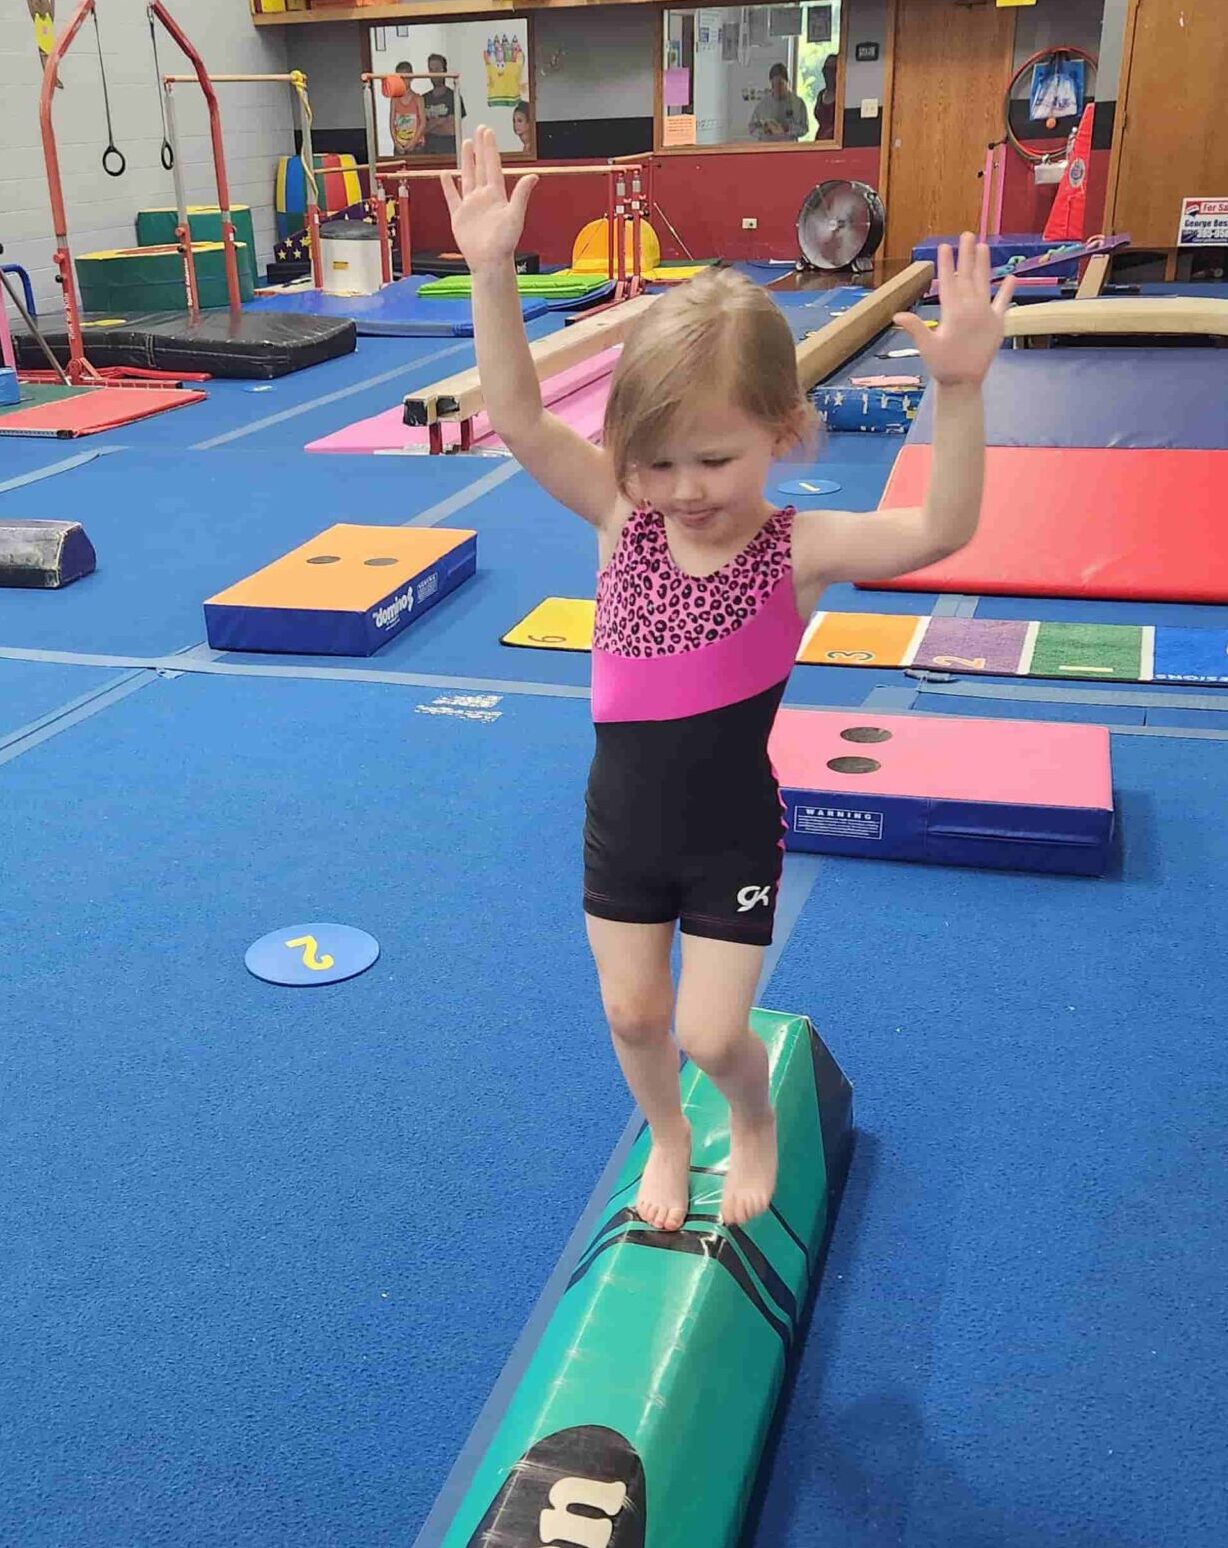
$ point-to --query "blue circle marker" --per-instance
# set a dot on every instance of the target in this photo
(312, 955)
(810, 486)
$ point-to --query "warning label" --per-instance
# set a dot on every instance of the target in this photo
(838, 822)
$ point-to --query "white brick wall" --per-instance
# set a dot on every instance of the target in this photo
(257, 124)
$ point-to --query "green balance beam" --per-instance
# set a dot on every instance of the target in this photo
(642, 1415)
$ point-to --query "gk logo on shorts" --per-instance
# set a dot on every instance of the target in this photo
(751, 897)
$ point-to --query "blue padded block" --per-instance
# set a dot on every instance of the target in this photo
(397, 309)
(1130, 398)
(877, 410)
(1001, 250)
(235, 623)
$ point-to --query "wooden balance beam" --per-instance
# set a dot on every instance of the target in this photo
(1167, 316)
(828, 349)
(460, 397)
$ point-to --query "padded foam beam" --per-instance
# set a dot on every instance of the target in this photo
(346, 592)
(44, 555)
(1142, 525)
(1004, 794)
(642, 1414)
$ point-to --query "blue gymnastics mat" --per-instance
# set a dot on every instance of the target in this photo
(35, 692)
(1128, 398)
(397, 309)
(1001, 250)
(806, 311)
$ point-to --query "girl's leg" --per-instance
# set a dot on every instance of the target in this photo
(715, 996)
(638, 993)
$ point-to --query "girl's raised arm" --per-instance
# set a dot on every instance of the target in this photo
(487, 226)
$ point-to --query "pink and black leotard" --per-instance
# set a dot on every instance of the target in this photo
(684, 816)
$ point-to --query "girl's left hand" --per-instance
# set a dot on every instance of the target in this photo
(970, 330)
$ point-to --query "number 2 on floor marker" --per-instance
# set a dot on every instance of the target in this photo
(317, 964)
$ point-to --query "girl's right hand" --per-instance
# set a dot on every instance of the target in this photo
(485, 222)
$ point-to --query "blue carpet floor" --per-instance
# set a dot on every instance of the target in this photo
(253, 1234)
(1021, 1334)
(266, 1251)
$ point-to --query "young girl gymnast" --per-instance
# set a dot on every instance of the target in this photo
(704, 589)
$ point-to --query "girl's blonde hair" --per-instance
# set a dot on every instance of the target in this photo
(717, 333)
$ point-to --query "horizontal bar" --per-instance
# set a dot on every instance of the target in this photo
(411, 173)
(191, 80)
(416, 75)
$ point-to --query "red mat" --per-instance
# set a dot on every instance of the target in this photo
(85, 411)
(1059, 522)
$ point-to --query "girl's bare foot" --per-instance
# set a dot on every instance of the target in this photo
(665, 1187)
(751, 1179)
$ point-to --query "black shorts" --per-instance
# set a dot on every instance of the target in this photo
(723, 897)
(684, 822)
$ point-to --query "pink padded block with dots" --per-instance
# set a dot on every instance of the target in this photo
(1009, 794)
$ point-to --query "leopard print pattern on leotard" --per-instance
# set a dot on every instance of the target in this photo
(647, 606)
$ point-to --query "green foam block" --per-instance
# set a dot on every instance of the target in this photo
(128, 281)
(156, 228)
(642, 1415)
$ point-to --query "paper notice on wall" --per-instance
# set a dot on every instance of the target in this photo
(757, 26)
(785, 21)
(731, 36)
(1204, 223)
(677, 88)
(679, 129)
(818, 24)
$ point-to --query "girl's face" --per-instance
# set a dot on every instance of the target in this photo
(709, 474)
(520, 127)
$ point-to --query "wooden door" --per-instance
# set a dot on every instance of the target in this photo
(948, 64)
(1169, 143)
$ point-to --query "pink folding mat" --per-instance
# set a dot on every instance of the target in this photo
(577, 395)
(1020, 795)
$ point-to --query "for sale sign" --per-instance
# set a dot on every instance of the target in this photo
(1204, 223)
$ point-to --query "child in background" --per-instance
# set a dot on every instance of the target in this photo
(407, 115)
(704, 589)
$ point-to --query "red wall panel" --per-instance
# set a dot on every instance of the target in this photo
(705, 198)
